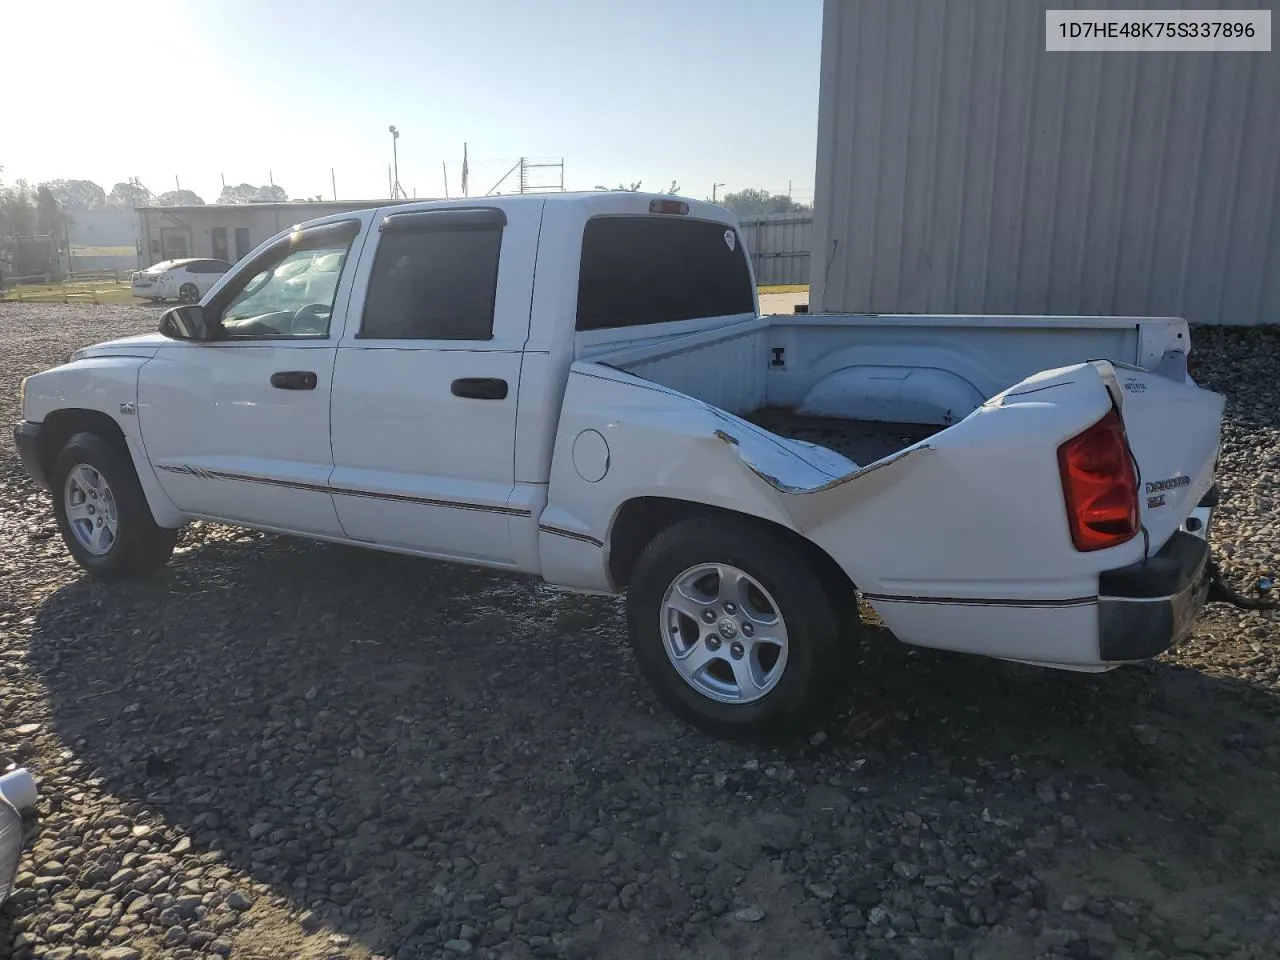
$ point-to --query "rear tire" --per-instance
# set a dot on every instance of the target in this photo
(761, 659)
(189, 293)
(102, 512)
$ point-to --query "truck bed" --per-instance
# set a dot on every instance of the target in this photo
(876, 373)
(862, 441)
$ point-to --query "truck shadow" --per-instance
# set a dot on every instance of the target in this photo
(355, 729)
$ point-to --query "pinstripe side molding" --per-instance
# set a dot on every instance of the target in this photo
(570, 534)
(343, 491)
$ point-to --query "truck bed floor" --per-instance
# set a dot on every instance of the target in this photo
(862, 441)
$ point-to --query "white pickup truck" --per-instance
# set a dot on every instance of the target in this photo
(580, 386)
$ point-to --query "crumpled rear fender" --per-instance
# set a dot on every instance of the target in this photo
(974, 511)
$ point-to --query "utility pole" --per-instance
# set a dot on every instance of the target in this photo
(396, 191)
(445, 170)
(176, 183)
(713, 191)
(333, 179)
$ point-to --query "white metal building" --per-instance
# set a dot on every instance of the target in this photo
(226, 231)
(963, 169)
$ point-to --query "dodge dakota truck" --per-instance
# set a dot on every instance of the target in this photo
(582, 387)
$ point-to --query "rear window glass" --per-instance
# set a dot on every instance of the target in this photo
(642, 270)
(434, 284)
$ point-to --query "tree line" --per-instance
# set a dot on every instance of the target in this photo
(27, 210)
(752, 202)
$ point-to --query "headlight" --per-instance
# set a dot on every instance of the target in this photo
(22, 394)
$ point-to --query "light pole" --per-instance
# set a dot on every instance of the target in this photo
(395, 161)
(713, 191)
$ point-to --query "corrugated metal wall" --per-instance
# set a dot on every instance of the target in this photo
(779, 246)
(962, 168)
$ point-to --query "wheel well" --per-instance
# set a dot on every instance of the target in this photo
(640, 520)
(61, 425)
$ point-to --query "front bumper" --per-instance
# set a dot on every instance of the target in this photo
(26, 438)
(1147, 607)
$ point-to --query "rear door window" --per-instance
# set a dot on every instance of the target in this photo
(435, 277)
(643, 270)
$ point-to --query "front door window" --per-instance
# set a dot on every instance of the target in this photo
(289, 289)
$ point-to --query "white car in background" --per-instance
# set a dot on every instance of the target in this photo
(186, 280)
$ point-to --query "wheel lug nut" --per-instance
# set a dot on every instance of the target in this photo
(730, 607)
(708, 616)
(713, 643)
(748, 629)
(736, 651)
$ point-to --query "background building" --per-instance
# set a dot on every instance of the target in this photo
(226, 231)
(963, 169)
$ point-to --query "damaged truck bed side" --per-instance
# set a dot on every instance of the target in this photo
(961, 539)
(581, 387)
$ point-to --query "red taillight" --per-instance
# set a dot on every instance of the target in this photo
(668, 206)
(1099, 485)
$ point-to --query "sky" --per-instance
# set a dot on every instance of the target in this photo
(699, 91)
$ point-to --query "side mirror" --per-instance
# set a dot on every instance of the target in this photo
(188, 322)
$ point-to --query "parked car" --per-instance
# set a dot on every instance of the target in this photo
(581, 387)
(186, 280)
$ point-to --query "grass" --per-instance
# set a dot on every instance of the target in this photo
(80, 291)
(784, 288)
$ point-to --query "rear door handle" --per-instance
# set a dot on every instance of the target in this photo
(294, 380)
(480, 388)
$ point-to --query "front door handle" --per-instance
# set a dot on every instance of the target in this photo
(480, 388)
(294, 380)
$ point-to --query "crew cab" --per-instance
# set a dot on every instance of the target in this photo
(581, 386)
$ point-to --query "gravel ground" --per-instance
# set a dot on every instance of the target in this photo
(282, 749)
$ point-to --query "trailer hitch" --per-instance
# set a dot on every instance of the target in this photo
(1221, 592)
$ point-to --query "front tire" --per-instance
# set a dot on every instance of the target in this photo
(189, 293)
(102, 512)
(737, 630)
